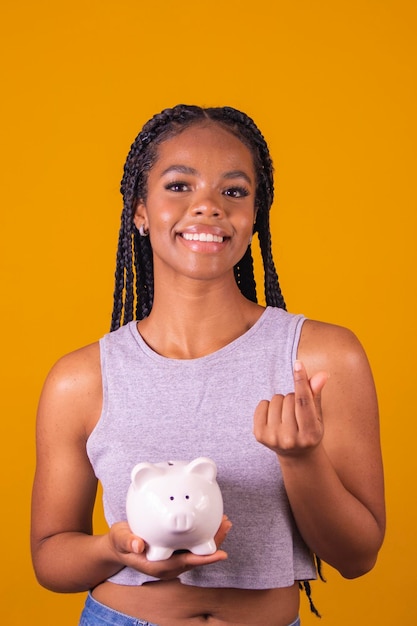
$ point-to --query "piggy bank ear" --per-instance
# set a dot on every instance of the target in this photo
(203, 466)
(143, 472)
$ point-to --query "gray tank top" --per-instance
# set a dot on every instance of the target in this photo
(156, 408)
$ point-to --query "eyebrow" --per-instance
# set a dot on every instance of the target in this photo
(185, 169)
(181, 169)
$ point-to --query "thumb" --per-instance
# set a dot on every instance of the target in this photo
(124, 540)
(138, 545)
(317, 382)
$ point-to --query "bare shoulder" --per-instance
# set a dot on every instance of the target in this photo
(73, 388)
(330, 347)
(82, 365)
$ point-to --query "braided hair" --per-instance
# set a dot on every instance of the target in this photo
(134, 284)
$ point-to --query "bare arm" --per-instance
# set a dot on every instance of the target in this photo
(67, 557)
(326, 436)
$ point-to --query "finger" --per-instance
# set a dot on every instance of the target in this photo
(261, 413)
(307, 405)
(195, 560)
(302, 389)
(317, 383)
(267, 420)
(289, 420)
(223, 530)
(137, 545)
(260, 419)
(275, 411)
(181, 562)
(124, 540)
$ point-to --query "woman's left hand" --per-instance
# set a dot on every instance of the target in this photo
(291, 425)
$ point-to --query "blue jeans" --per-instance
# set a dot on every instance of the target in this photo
(97, 614)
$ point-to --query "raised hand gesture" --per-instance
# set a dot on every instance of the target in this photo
(292, 424)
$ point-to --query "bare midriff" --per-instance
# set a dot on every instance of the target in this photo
(170, 603)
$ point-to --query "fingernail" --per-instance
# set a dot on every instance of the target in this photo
(297, 366)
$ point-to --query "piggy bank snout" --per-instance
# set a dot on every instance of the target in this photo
(181, 522)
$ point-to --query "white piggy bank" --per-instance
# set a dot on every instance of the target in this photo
(175, 505)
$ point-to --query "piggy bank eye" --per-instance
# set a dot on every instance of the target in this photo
(187, 497)
(171, 498)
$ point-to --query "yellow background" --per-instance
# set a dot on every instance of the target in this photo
(332, 84)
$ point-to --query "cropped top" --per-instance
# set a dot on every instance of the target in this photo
(158, 409)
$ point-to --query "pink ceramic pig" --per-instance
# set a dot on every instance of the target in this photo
(175, 505)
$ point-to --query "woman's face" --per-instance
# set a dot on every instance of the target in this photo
(200, 203)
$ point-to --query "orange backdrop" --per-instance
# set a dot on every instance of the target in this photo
(333, 87)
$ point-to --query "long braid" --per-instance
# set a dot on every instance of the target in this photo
(273, 293)
(245, 277)
(119, 285)
(144, 275)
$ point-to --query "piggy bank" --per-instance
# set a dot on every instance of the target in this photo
(176, 505)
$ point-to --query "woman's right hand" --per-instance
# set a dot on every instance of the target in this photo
(130, 550)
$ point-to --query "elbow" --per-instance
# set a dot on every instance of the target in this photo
(52, 577)
(57, 585)
(44, 577)
(41, 569)
(46, 583)
(362, 560)
(357, 569)
(358, 566)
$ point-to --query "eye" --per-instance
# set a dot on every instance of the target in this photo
(236, 192)
(187, 497)
(177, 186)
(171, 498)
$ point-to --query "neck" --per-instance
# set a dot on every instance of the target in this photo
(194, 318)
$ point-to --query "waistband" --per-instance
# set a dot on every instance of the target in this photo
(97, 614)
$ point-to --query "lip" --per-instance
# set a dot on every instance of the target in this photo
(203, 229)
(203, 238)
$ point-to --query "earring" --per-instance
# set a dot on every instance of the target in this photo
(142, 231)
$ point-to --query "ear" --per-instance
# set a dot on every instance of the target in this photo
(140, 217)
(203, 466)
(143, 472)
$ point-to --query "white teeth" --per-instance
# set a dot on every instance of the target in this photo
(202, 237)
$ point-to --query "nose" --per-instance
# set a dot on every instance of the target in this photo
(206, 205)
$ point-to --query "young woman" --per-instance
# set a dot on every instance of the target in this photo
(286, 407)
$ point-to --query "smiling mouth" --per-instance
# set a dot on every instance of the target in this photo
(202, 237)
